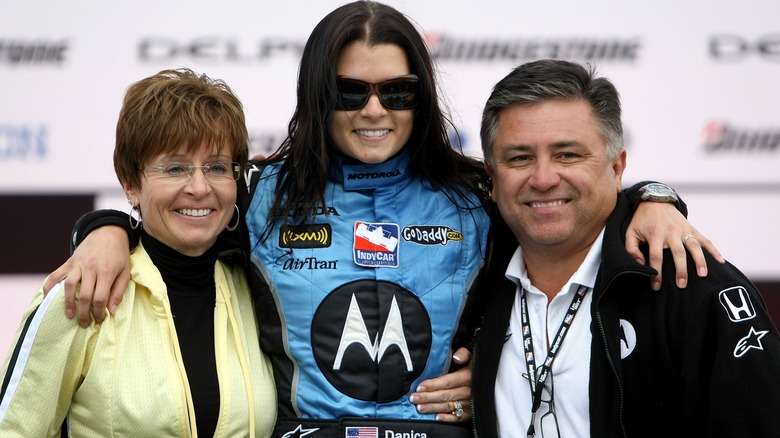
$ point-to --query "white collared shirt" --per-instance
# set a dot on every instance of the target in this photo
(570, 370)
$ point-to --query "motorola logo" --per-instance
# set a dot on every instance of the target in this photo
(371, 339)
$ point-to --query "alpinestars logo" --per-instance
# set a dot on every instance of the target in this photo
(371, 339)
(300, 432)
(750, 342)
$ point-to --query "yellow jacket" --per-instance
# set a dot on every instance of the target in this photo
(125, 377)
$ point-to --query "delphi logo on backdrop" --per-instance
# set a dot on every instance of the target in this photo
(23, 142)
(522, 49)
(721, 137)
(740, 48)
(33, 52)
(218, 49)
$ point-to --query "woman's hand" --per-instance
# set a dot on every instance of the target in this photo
(99, 270)
(662, 226)
(448, 396)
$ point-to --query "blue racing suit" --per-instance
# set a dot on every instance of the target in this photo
(366, 299)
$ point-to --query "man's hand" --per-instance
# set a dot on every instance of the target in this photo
(99, 270)
(662, 226)
(443, 395)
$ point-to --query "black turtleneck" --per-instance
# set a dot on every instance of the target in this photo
(192, 294)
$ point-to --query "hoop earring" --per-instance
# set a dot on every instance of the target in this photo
(134, 226)
(238, 219)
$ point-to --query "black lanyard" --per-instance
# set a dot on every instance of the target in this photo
(537, 384)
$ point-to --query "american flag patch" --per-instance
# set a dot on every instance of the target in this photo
(368, 432)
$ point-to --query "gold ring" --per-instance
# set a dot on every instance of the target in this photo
(686, 238)
(458, 411)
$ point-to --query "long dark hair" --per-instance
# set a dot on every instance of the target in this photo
(304, 155)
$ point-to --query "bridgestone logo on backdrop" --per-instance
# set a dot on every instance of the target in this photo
(521, 50)
(29, 52)
(721, 137)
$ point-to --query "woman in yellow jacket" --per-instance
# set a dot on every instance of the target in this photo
(180, 358)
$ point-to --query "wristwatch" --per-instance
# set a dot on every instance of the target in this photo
(658, 192)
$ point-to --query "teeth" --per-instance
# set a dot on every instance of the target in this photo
(546, 204)
(372, 133)
(195, 212)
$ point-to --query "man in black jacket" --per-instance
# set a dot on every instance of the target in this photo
(574, 341)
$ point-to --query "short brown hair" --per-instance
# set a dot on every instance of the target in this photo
(174, 109)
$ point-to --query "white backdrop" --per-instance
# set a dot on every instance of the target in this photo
(699, 83)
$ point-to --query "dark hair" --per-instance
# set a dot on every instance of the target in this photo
(548, 79)
(304, 156)
(176, 108)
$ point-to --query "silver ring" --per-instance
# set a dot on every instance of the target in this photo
(458, 411)
(686, 238)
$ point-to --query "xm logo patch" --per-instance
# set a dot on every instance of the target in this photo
(306, 236)
(371, 339)
(737, 303)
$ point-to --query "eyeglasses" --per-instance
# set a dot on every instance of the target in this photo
(219, 171)
(397, 93)
(549, 421)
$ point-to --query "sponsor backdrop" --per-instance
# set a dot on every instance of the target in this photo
(698, 81)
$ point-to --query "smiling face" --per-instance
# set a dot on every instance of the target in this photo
(187, 215)
(552, 179)
(371, 134)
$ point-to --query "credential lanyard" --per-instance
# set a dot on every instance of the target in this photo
(537, 384)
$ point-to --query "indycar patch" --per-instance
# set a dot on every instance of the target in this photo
(375, 244)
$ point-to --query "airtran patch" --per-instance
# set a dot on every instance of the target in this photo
(306, 236)
(376, 244)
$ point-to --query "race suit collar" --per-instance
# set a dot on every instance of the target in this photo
(361, 176)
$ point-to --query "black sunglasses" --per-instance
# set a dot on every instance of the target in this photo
(399, 93)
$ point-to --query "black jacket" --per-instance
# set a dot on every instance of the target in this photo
(705, 359)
